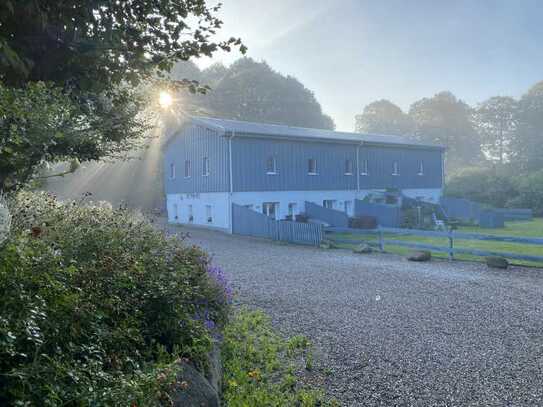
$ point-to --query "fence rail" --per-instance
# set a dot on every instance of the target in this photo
(451, 250)
(247, 222)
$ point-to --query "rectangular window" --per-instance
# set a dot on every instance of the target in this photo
(348, 167)
(172, 171)
(270, 209)
(187, 168)
(421, 168)
(271, 166)
(249, 206)
(209, 214)
(205, 167)
(292, 210)
(191, 216)
(364, 168)
(348, 205)
(312, 166)
(329, 203)
(395, 168)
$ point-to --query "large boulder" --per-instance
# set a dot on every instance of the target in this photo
(496, 262)
(363, 248)
(421, 255)
(194, 389)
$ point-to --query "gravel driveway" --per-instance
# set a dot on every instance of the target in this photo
(395, 333)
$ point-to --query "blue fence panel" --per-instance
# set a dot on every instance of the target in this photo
(330, 216)
(386, 215)
(491, 219)
(460, 208)
(512, 214)
(247, 222)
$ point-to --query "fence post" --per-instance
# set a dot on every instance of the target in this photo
(451, 244)
(381, 241)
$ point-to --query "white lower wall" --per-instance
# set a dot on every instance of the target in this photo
(179, 212)
(178, 204)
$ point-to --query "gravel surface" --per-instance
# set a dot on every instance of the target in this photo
(396, 333)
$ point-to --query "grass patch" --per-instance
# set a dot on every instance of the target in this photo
(532, 228)
(259, 365)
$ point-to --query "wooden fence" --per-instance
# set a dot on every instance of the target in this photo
(450, 249)
(386, 215)
(247, 222)
(330, 216)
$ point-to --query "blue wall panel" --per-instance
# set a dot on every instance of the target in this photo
(380, 166)
(249, 156)
(194, 143)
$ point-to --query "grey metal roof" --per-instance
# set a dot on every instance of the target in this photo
(277, 130)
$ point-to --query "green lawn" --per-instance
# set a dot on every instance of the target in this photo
(532, 228)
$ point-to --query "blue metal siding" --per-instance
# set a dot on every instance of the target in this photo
(380, 163)
(194, 143)
(249, 156)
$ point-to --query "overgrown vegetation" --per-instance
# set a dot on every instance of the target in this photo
(501, 188)
(259, 366)
(97, 306)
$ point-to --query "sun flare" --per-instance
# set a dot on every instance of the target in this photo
(165, 99)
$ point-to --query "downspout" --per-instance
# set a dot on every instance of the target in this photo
(358, 169)
(231, 180)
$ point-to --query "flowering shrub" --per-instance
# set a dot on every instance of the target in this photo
(97, 306)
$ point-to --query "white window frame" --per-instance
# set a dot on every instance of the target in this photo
(396, 168)
(292, 206)
(209, 214)
(349, 167)
(188, 166)
(331, 201)
(421, 168)
(365, 166)
(348, 206)
(273, 161)
(309, 162)
(205, 167)
(266, 206)
(172, 171)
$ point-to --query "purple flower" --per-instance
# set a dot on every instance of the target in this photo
(217, 274)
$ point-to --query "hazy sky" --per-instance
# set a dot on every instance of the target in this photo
(352, 52)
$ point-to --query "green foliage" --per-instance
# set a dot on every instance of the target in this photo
(73, 75)
(253, 91)
(496, 121)
(41, 123)
(97, 305)
(484, 185)
(383, 117)
(443, 119)
(257, 369)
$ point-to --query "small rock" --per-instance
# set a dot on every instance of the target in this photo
(363, 248)
(420, 256)
(496, 262)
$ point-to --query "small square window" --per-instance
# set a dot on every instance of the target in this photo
(395, 168)
(312, 166)
(348, 167)
(205, 167)
(271, 166)
(187, 168)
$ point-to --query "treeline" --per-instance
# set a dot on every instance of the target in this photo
(252, 91)
(494, 149)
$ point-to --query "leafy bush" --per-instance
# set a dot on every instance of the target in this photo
(5, 220)
(257, 369)
(97, 306)
(483, 185)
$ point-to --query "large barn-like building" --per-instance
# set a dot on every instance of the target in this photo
(273, 169)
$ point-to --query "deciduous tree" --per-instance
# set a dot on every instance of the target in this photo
(383, 117)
